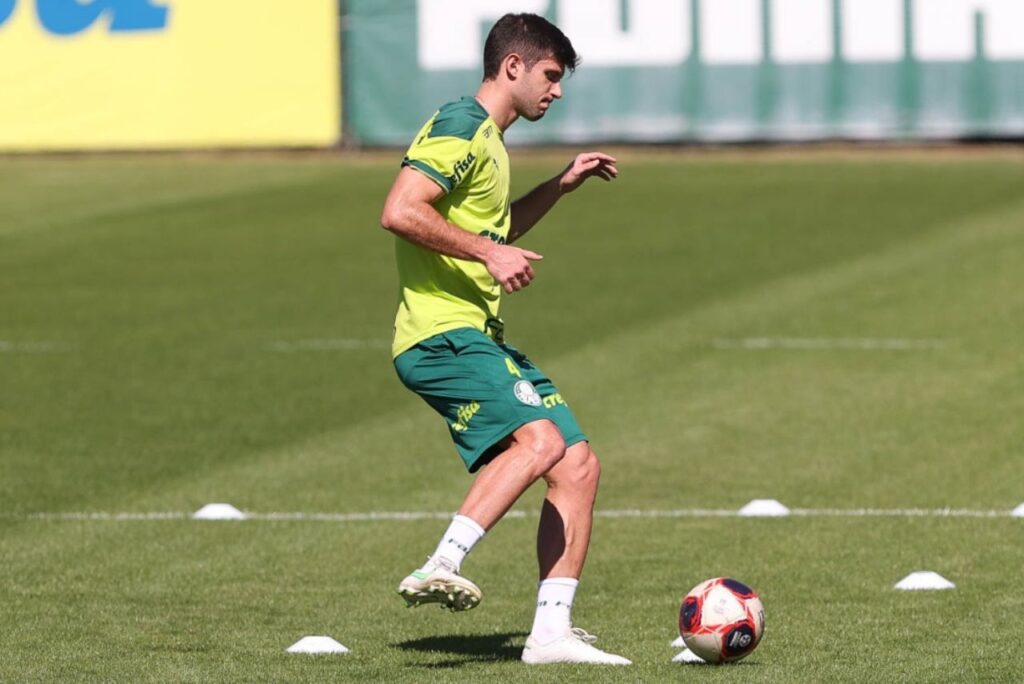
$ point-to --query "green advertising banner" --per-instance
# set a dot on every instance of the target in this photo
(706, 70)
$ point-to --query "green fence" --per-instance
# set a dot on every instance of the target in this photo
(706, 70)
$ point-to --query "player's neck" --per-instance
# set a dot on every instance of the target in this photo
(497, 103)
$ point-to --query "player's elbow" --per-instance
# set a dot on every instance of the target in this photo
(390, 218)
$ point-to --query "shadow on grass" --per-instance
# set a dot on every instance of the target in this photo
(470, 649)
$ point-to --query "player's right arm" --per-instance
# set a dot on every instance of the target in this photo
(410, 214)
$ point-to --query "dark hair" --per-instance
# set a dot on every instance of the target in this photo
(531, 37)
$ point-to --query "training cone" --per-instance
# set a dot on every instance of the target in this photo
(317, 644)
(925, 580)
(688, 656)
(218, 511)
(764, 508)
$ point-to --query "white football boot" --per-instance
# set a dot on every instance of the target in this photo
(573, 647)
(439, 582)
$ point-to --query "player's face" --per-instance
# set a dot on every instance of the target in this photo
(539, 87)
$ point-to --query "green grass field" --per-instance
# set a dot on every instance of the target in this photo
(832, 330)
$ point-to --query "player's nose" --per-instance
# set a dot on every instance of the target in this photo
(556, 91)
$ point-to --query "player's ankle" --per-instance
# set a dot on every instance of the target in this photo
(553, 619)
(458, 540)
(545, 635)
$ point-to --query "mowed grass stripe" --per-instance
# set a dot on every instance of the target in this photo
(45, 197)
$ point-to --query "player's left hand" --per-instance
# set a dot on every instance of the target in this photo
(586, 165)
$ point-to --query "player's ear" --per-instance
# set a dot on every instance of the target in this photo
(514, 66)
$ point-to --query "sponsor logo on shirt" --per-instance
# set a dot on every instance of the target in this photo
(461, 169)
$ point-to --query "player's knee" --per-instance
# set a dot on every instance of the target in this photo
(550, 450)
(544, 442)
(580, 469)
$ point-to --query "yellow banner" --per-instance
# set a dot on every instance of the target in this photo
(149, 74)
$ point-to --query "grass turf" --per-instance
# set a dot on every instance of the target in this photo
(155, 324)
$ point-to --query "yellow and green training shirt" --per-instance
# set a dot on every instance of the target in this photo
(461, 149)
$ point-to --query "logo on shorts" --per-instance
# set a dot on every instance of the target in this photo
(527, 393)
(465, 414)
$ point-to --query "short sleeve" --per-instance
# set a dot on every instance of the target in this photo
(444, 160)
(444, 150)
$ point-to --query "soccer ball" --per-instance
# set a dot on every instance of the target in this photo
(721, 620)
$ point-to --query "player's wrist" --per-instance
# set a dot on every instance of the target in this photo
(564, 184)
(484, 249)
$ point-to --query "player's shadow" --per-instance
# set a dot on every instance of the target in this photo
(469, 648)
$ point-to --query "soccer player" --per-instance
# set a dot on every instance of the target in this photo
(455, 224)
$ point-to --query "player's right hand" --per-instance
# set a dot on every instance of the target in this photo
(510, 266)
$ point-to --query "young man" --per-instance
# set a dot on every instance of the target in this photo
(450, 209)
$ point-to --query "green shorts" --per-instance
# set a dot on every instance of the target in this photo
(484, 390)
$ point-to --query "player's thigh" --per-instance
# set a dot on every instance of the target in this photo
(538, 388)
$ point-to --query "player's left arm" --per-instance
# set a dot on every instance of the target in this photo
(532, 206)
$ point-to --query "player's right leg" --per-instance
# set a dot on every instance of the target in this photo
(439, 582)
(531, 451)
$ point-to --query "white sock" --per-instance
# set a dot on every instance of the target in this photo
(554, 608)
(458, 540)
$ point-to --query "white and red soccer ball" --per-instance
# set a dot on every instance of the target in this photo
(721, 620)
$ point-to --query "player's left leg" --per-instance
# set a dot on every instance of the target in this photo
(563, 538)
(566, 517)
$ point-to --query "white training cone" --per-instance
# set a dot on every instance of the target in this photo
(218, 511)
(317, 644)
(764, 508)
(1018, 512)
(688, 656)
(678, 643)
(924, 581)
